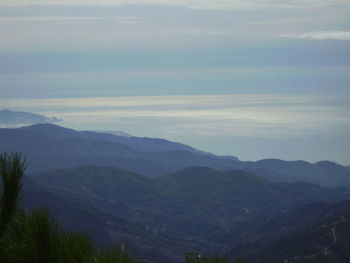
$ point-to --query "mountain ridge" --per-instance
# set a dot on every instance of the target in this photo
(51, 147)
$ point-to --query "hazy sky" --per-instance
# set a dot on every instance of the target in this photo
(253, 79)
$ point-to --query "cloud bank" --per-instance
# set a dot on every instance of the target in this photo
(193, 4)
(321, 35)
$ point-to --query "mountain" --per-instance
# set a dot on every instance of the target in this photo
(230, 198)
(77, 213)
(324, 173)
(162, 218)
(116, 133)
(164, 199)
(313, 233)
(49, 146)
(17, 118)
(142, 144)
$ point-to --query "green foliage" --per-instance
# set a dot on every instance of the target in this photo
(115, 255)
(11, 171)
(36, 237)
(195, 257)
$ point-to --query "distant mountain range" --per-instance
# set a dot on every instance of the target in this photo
(161, 218)
(163, 198)
(49, 146)
(18, 118)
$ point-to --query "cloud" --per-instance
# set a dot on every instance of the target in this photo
(71, 25)
(193, 4)
(331, 35)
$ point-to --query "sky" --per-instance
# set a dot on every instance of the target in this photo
(254, 79)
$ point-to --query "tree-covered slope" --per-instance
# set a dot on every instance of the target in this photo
(197, 208)
(310, 234)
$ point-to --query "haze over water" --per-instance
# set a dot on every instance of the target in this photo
(254, 79)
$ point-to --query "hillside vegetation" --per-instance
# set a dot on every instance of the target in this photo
(161, 219)
(35, 237)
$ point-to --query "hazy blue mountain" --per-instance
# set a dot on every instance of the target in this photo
(51, 147)
(116, 133)
(323, 173)
(142, 144)
(17, 118)
(162, 218)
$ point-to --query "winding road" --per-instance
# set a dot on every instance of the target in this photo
(326, 250)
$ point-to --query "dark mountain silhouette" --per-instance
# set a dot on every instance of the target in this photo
(50, 147)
